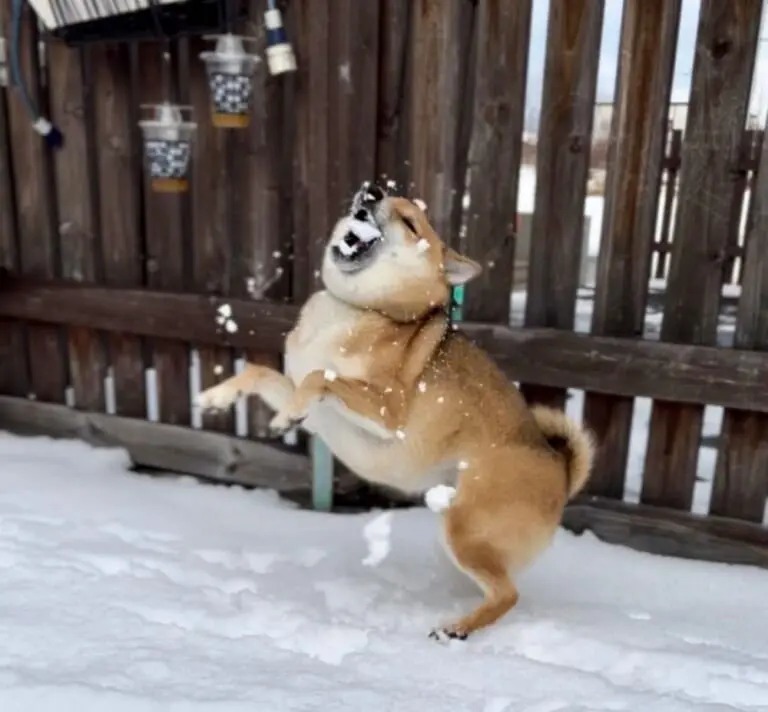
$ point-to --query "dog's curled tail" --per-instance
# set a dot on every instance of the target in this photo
(570, 439)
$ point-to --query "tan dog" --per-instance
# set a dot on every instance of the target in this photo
(374, 370)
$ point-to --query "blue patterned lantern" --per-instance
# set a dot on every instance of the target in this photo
(168, 146)
(230, 79)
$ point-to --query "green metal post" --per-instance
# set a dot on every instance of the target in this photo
(322, 475)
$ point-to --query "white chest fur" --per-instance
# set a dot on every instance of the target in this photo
(317, 343)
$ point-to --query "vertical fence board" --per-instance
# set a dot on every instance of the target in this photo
(13, 374)
(36, 219)
(261, 219)
(502, 34)
(212, 186)
(79, 233)
(672, 169)
(441, 34)
(562, 165)
(741, 475)
(753, 167)
(394, 76)
(635, 160)
(312, 221)
(740, 173)
(353, 100)
(119, 172)
(164, 226)
(725, 51)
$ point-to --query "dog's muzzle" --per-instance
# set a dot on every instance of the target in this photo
(355, 249)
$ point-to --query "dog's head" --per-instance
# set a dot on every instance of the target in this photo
(385, 255)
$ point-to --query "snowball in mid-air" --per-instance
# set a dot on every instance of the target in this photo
(377, 533)
(439, 497)
(330, 375)
(422, 245)
(230, 326)
(420, 204)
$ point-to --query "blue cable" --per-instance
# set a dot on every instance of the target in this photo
(52, 135)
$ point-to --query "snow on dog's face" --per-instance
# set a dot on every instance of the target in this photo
(385, 255)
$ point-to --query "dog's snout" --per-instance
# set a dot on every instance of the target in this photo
(350, 239)
(374, 194)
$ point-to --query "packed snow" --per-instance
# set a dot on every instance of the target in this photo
(131, 593)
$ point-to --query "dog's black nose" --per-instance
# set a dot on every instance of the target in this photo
(374, 194)
(350, 239)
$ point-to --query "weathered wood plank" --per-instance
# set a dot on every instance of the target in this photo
(14, 379)
(119, 173)
(261, 215)
(164, 447)
(562, 165)
(726, 44)
(669, 532)
(164, 236)
(739, 182)
(672, 167)
(741, 476)
(502, 36)
(352, 99)
(551, 357)
(635, 161)
(211, 236)
(441, 35)
(394, 94)
(71, 107)
(36, 219)
(312, 214)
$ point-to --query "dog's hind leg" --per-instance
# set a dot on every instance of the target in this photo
(274, 388)
(484, 563)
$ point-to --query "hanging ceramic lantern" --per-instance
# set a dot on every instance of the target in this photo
(230, 79)
(167, 146)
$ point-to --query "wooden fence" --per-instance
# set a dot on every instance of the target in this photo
(111, 294)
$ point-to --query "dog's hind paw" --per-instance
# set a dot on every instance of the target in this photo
(445, 635)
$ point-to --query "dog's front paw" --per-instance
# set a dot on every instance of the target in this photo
(447, 634)
(217, 398)
(283, 422)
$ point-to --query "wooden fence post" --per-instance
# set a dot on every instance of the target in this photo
(726, 45)
(635, 160)
(562, 165)
(741, 477)
(502, 36)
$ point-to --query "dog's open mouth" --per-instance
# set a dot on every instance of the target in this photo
(358, 247)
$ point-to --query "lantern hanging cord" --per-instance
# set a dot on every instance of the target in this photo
(52, 135)
(166, 73)
(229, 16)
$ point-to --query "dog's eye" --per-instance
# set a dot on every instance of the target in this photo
(409, 224)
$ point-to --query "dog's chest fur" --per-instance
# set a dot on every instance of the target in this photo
(318, 342)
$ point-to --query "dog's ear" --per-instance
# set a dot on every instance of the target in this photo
(459, 269)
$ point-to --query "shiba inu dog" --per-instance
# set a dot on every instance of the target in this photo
(373, 368)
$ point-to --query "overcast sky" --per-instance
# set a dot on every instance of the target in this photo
(609, 55)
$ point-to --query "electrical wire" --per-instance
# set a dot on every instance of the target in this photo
(52, 135)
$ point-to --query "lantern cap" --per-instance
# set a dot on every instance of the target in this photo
(167, 115)
(229, 47)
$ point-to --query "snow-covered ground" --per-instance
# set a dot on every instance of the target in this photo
(126, 593)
